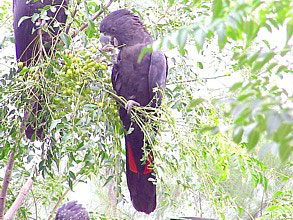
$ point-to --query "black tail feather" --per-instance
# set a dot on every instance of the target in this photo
(142, 191)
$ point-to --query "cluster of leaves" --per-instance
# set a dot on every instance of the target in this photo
(66, 96)
(256, 111)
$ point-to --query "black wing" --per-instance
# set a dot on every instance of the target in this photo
(157, 76)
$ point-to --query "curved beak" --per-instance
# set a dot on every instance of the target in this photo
(104, 39)
(107, 43)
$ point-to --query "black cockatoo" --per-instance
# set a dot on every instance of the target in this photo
(27, 42)
(72, 211)
(135, 81)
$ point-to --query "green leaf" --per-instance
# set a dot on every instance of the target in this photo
(282, 68)
(253, 138)
(221, 31)
(242, 59)
(66, 39)
(54, 123)
(181, 40)
(274, 23)
(108, 180)
(70, 183)
(285, 50)
(200, 65)
(265, 183)
(271, 66)
(245, 96)
(72, 175)
(240, 114)
(253, 58)
(277, 194)
(258, 65)
(194, 102)
(251, 29)
(262, 17)
(91, 29)
(217, 8)
(274, 208)
(282, 132)
(238, 133)
(213, 129)
(45, 8)
(267, 44)
(35, 17)
(289, 30)
(199, 36)
(22, 19)
(285, 150)
(236, 86)
(171, 2)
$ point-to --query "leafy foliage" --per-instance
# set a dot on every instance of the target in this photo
(255, 109)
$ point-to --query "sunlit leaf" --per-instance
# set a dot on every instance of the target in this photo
(194, 102)
(181, 40)
(253, 138)
(240, 114)
(285, 150)
(289, 30)
(221, 31)
(171, 2)
(199, 36)
(236, 86)
(217, 8)
(237, 135)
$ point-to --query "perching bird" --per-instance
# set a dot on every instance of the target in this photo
(27, 44)
(135, 81)
(72, 211)
(25, 31)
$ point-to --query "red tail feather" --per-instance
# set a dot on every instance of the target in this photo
(142, 191)
(132, 165)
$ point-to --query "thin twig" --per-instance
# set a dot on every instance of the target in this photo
(194, 80)
(35, 204)
(200, 208)
(58, 204)
(5, 184)
(93, 18)
(72, 16)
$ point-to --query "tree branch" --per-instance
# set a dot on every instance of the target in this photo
(20, 198)
(72, 15)
(5, 184)
(93, 18)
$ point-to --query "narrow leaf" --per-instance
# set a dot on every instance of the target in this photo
(253, 138)
(22, 19)
(217, 8)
